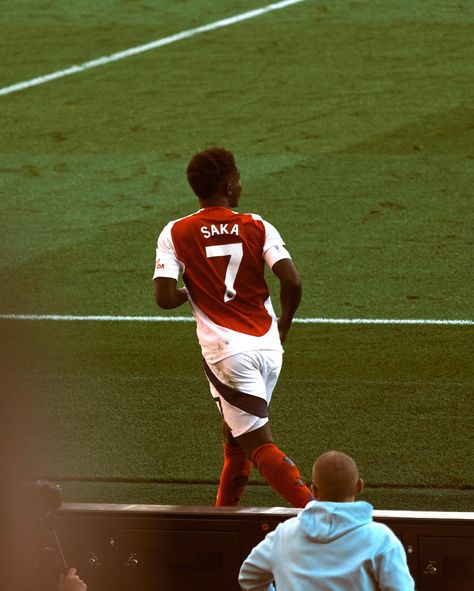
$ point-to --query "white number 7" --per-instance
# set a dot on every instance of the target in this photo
(236, 252)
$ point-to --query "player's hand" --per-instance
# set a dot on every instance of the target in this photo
(71, 582)
(283, 328)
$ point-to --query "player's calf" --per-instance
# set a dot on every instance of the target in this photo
(234, 476)
(281, 474)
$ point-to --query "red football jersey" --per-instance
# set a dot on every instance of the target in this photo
(221, 255)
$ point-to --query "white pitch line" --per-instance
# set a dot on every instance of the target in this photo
(107, 59)
(69, 318)
(380, 321)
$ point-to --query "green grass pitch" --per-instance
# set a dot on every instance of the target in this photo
(353, 127)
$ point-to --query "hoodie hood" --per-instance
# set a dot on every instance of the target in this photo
(325, 521)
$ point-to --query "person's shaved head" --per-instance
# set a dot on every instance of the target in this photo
(336, 477)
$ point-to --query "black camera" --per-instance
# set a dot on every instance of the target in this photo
(40, 499)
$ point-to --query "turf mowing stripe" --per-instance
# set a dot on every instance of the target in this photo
(107, 59)
(191, 319)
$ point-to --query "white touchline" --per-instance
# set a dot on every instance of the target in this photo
(191, 319)
(107, 59)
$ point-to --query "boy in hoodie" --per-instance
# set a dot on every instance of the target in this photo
(332, 545)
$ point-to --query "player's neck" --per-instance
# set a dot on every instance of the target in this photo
(215, 201)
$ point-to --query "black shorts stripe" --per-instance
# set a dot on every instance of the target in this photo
(254, 405)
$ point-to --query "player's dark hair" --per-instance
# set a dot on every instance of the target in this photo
(208, 170)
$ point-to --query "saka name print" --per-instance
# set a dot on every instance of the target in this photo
(219, 230)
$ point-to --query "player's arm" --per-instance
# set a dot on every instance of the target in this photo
(167, 273)
(290, 294)
(167, 293)
(278, 259)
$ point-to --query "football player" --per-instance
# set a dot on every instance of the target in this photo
(221, 256)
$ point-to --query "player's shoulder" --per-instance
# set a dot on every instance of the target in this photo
(189, 216)
(257, 218)
(253, 223)
(183, 220)
(268, 227)
(250, 218)
(168, 229)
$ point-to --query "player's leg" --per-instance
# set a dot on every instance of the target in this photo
(246, 412)
(275, 466)
(272, 463)
(236, 468)
(235, 471)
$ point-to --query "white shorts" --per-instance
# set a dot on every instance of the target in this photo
(242, 386)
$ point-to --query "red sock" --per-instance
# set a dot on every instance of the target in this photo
(281, 474)
(234, 476)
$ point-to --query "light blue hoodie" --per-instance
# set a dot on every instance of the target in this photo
(328, 547)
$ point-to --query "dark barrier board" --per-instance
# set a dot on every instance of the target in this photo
(150, 547)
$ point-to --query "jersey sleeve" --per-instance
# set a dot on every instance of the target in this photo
(167, 263)
(274, 248)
